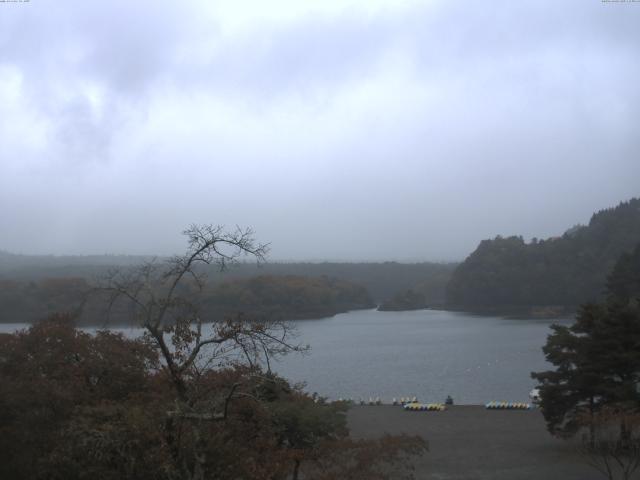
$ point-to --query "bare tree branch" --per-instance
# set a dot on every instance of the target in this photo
(159, 293)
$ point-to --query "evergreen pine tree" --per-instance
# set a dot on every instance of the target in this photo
(597, 359)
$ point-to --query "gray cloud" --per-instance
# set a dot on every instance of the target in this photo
(410, 133)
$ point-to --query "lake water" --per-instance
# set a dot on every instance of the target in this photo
(427, 353)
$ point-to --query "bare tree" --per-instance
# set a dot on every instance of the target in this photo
(613, 446)
(164, 298)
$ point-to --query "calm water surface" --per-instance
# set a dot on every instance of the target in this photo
(426, 353)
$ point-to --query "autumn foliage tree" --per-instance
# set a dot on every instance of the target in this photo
(80, 406)
(50, 372)
(191, 400)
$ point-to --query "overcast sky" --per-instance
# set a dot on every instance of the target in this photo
(338, 130)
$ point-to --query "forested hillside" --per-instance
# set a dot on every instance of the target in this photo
(624, 282)
(279, 297)
(286, 297)
(382, 280)
(563, 271)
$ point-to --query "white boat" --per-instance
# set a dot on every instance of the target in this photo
(534, 395)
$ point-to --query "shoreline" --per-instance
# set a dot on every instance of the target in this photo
(535, 312)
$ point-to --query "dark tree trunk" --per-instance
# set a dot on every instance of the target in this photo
(592, 427)
(296, 469)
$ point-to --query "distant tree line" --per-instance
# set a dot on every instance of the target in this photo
(274, 297)
(286, 297)
(563, 271)
(382, 280)
(402, 301)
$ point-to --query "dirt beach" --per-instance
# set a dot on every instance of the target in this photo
(470, 442)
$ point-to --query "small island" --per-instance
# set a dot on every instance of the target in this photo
(407, 300)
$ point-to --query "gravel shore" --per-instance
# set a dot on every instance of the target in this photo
(470, 442)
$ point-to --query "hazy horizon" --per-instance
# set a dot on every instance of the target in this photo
(360, 130)
(270, 259)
